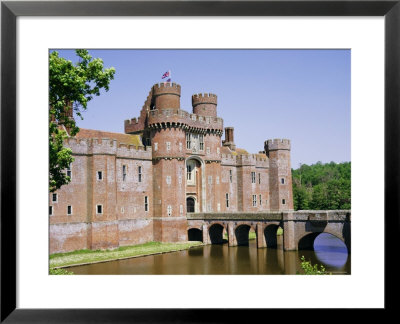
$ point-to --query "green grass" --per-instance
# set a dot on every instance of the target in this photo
(89, 256)
(60, 272)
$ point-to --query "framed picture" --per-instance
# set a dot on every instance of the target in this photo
(15, 47)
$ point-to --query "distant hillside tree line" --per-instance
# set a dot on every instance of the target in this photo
(322, 186)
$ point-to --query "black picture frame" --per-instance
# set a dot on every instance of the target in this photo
(10, 10)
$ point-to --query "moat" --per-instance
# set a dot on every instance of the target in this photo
(221, 259)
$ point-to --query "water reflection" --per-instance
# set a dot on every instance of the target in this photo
(222, 259)
(330, 251)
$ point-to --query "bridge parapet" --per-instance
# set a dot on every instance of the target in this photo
(319, 215)
(257, 216)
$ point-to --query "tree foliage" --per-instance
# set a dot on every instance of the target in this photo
(71, 87)
(322, 186)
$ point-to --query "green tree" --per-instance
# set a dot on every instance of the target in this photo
(322, 186)
(71, 87)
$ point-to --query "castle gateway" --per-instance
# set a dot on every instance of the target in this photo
(170, 165)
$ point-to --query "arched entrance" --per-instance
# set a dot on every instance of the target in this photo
(190, 205)
(194, 234)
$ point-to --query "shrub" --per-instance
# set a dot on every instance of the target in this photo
(310, 269)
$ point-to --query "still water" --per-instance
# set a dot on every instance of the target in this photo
(221, 259)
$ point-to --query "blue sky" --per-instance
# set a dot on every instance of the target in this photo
(302, 95)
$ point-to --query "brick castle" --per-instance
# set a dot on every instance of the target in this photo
(139, 186)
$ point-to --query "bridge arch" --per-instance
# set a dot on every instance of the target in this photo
(215, 233)
(270, 234)
(195, 234)
(306, 242)
(242, 234)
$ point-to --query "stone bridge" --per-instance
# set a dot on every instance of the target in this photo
(300, 228)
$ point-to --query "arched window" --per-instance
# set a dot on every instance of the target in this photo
(190, 205)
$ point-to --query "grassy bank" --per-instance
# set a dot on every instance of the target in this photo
(88, 256)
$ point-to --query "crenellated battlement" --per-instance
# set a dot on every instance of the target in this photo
(179, 117)
(131, 121)
(166, 88)
(229, 159)
(89, 146)
(204, 98)
(277, 144)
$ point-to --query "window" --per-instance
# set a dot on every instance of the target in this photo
(266, 202)
(259, 178)
(282, 181)
(209, 179)
(218, 150)
(123, 172)
(188, 141)
(227, 200)
(201, 142)
(139, 174)
(230, 176)
(99, 209)
(253, 177)
(283, 202)
(54, 197)
(260, 201)
(148, 142)
(169, 180)
(181, 209)
(208, 150)
(169, 210)
(180, 179)
(168, 146)
(50, 210)
(99, 175)
(69, 172)
(180, 146)
(122, 210)
(146, 203)
(218, 207)
(155, 146)
(69, 210)
(254, 200)
(217, 180)
(191, 172)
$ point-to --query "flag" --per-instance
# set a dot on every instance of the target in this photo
(165, 75)
(169, 80)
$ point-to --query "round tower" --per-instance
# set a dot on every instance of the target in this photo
(280, 174)
(205, 104)
(167, 95)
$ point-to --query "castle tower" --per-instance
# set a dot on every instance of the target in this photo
(280, 174)
(168, 149)
(167, 95)
(205, 104)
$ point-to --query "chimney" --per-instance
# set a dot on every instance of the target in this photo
(229, 141)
